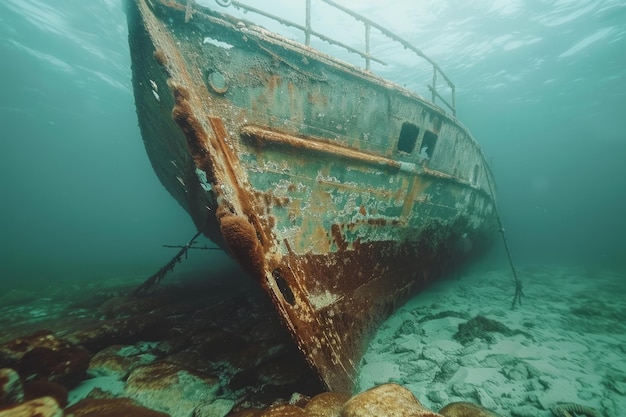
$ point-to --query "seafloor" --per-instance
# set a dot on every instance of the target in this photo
(203, 346)
(565, 346)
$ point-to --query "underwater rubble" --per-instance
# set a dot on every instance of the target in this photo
(189, 346)
(200, 348)
(193, 348)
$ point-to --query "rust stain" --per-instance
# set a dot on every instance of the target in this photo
(273, 82)
(191, 127)
(417, 187)
(160, 57)
(338, 238)
(319, 145)
(247, 204)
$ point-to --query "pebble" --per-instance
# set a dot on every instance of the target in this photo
(218, 408)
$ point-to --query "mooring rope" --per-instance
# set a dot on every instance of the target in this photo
(151, 283)
(519, 292)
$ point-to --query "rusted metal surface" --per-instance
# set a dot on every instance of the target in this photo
(338, 191)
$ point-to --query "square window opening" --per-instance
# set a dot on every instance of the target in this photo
(408, 137)
(428, 144)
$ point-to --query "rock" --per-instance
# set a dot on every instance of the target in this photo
(434, 354)
(283, 410)
(44, 388)
(485, 399)
(480, 328)
(66, 365)
(170, 388)
(525, 411)
(326, 404)
(250, 412)
(447, 371)
(112, 407)
(118, 361)
(407, 327)
(517, 372)
(11, 352)
(11, 390)
(43, 355)
(464, 390)
(464, 409)
(420, 369)
(111, 365)
(473, 347)
(40, 407)
(389, 400)
(573, 409)
(438, 396)
(217, 408)
(469, 361)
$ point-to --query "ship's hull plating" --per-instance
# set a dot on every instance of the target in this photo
(339, 192)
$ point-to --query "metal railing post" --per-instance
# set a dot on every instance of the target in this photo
(367, 46)
(453, 88)
(307, 34)
(434, 84)
(369, 24)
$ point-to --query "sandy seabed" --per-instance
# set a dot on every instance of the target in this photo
(564, 346)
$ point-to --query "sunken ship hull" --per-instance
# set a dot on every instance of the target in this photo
(340, 192)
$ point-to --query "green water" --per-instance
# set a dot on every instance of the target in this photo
(541, 85)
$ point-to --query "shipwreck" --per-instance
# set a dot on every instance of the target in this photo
(339, 191)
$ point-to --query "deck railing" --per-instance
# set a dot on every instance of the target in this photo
(365, 54)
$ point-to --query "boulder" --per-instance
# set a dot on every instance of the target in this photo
(11, 352)
(43, 388)
(326, 404)
(170, 388)
(111, 407)
(389, 400)
(44, 355)
(67, 366)
(40, 407)
(283, 410)
(118, 361)
(465, 409)
(218, 408)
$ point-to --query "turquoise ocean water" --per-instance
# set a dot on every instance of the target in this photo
(541, 84)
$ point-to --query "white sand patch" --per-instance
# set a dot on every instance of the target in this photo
(566, 343)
